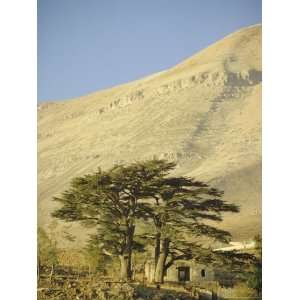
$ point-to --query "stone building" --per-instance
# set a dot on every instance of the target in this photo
(191, 271)
(182, 271)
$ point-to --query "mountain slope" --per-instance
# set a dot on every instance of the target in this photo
(205, 113)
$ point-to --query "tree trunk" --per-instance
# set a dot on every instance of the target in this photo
(157, 248)
(38, 269)
(51, 273)
(126, 257)
(160, 267)
(129, 250)
(125, 268)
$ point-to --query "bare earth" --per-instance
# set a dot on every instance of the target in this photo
(204, 113)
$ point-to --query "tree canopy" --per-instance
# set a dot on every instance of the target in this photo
(116, 200)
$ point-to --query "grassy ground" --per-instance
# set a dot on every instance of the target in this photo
(95, 288)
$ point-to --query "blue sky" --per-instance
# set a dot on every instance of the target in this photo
(88, 45)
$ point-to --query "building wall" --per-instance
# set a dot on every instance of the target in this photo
(172, 272)
(149, 271)
(195, 272)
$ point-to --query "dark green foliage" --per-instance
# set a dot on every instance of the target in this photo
(235, 264)
(180, 210)
(185, 204)
(239, 267)
(255, 274)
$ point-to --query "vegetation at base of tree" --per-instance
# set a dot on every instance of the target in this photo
(47, 252)
(254, 279)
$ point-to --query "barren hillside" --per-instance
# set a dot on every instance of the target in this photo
(204, 113)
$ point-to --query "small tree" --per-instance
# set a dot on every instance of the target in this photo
(96, 260)
(255, 275)
(233, 267)
(47, 251)
(240, 267)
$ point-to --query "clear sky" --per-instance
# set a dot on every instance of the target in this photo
(88, 45)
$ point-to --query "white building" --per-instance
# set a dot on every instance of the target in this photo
(182, 271)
